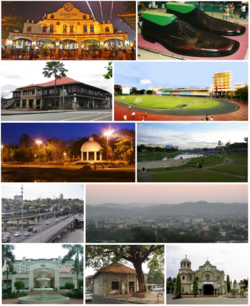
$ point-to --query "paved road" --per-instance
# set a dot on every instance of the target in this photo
(210, 300)
(92, 115)
(99, 300)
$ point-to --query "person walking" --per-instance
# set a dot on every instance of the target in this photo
(145, 115)
(226, 13)
(207, 117)
(243, 10)
(129, 107)
(231, 8)
(125, 117)
(211, 118)
(133, 115)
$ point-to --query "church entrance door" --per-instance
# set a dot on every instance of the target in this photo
(208, 290)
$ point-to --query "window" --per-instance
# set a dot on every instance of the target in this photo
(31, 92)
(64, 29)
(107, 29)
(92, 28)
(183, 277)
(39, 92)
(218, 278)
(85, 29)
(24, 93)
(51, 91)
(45, 92)
(187, 264)
(73, 88)
(184, 265)
(69, 89)
(71, 29)
(29, 29)
(182, 289)
(90, 92)
(45, 28)
(83, 90)
(52, 16)
(84, 17)
(51, 28)
(208, 277)
(115, 285)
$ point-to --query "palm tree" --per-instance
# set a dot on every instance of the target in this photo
(8, 258)
(77, 251)
(57, 70)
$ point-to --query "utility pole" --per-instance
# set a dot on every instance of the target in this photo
(22, 205)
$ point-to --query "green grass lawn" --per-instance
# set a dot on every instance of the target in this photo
(232, 169)
(239, 158)
(202, 104)
(167, 102)
(195, 176)
(149, 156)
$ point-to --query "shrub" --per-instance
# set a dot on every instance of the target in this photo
(19, 284)
(75, 295)
(242, 292)
(80, 282)
(69, 286)
(233, 291)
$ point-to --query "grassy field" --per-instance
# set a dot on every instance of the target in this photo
(149, 156)
(242, 170)
(239, 158)
(167, 102)
(195, 176)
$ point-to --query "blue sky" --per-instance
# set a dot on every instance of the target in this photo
(190, 135)
(177, 74)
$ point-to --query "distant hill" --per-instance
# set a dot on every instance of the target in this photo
(191, 209)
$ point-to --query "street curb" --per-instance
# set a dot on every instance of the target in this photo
(128, 301)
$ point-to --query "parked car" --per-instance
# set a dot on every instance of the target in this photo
(27, 234)
(88, 296)
(34, 230)
(17, 234)
(5, 239)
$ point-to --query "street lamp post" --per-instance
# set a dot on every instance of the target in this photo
(108, 133)
(38, 143)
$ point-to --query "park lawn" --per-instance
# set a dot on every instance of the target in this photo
(169, 169)
(203, 104)
(241, 170)
(149, 156)
(195, 176)
(208, 161)
(239, 158)
(158, 101)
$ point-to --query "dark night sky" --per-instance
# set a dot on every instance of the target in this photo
(11, 132)
(36, 9)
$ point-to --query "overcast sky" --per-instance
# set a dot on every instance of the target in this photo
(166, 193)
(191, 135)
(176, 74)
(88, 72)
(231, 258)
(43, 250)
(34, 191)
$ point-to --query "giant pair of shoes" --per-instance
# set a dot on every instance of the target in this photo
(194, 16)
(180, 37)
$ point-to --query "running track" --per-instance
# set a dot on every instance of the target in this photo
(239, 115)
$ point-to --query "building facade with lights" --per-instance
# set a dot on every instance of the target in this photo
(68, 25)
(28, 270)
(70, 94)
(222, 83)
(210, 280)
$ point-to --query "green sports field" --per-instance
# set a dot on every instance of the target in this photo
(168, 102)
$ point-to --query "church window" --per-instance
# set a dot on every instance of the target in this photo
(52, 16)
(218, 278)
(84, 17)
(64, 29)
(115, 285)
(107, 29)
(58, 23)
(44, 28)
(182, 289)
(29, 29)
(51, 28)
(208, 277)
(184, 265)
(85, 30)
(92, 28)
(187, 264)
(71, 29)
(183, 277)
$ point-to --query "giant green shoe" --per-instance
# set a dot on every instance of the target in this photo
(182, 38)
(194, 16)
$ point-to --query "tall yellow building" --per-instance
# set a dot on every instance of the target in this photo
(222, 83)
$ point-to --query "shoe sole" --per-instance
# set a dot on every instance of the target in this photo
(194, 53)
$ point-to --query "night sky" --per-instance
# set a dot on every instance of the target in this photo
(35, 10)
(11, 132)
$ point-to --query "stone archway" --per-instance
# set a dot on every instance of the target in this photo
(208, 289)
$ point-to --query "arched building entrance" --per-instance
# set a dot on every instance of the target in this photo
(208, 289)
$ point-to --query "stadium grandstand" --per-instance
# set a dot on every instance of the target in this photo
(198, 92)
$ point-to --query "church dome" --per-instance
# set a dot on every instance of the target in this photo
(186, 260)
(91, 146)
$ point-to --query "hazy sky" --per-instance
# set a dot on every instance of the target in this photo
(182, 74)
(165, 193)
(34, 191)
(191, 135)
(49, 250)
(224, 256)
(90, 72)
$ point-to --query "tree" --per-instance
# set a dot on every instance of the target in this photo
(57, 70)
(19, 284)
(228, 284)
(98, 256)
(243, 93)
(80, 283)
(195, 286)
(178, 287)
(134, 90)
(109, 74)
(75, 250)
(155, 277)
(8, 258)
(11, 23)
(69, 285)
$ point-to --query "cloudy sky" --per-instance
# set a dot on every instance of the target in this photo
(231, 258)
(165, 193)
(34, 191)
(49, 250)
(88, 72)
(177, 74)
(191, 135)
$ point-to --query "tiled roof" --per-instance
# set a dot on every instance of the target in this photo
(62, 81)
(64, 270)
(116, 268)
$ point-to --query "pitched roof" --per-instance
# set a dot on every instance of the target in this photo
(116, 268)
(64, 270)
(62, 81)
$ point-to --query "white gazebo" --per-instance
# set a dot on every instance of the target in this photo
(91, 148)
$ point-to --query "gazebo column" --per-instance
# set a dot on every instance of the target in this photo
(81, 155)
(95, 156)
(100, 156)
(87, 156)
